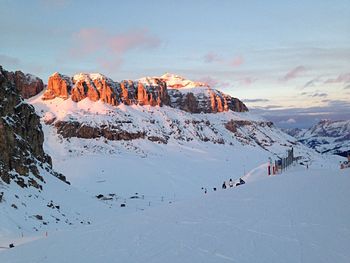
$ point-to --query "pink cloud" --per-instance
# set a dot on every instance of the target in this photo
(236, 62)
(342, 78)
(97, 43)
(295, 72)
(211, 57)
(133, 40)
(214, 83)
(209, 80)
(88, 41)
(248, 81)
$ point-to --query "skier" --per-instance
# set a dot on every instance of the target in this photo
(224, 185)
(241, 181)
(230, 183)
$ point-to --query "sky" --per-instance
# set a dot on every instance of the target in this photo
(287, 60)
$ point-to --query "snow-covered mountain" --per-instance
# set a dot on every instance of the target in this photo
(135, 147)
(326, 137)
(160, 146)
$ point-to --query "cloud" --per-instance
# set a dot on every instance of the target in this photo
(211, 57)
(212, 82)
(236, 62)
(292, 74)
(318, 94)
(347, 87)
(315, 94)
(136, 39)
(342, 78)
(109, 49)
(313, 82)
(289, 121)
(306, 117)
(255, 100)
(248, 80)
(9, 61)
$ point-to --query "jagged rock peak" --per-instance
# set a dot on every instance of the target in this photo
(27, 84)
(168, 89)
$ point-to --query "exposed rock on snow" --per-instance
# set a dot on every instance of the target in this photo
(57, 86)
(28, 85)
(194, 97)
(21, 138)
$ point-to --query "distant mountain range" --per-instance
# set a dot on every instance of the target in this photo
(325, 137)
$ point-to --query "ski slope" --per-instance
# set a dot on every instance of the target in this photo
(302, 215)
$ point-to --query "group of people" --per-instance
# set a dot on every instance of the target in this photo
(231, 184)
(226, 185)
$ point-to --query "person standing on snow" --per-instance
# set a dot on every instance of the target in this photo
(230, 183)
(224, 185)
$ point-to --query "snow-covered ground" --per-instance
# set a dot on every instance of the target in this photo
(302, 215)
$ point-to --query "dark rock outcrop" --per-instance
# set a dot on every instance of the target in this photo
(21, 138)
(208, 101)
(27, 85)
(70, 129)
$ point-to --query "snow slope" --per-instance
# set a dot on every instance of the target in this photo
(27, 213)
(196, 154)
(299, 216)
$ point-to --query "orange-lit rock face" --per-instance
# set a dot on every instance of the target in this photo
(147, 91)
(142, 96)
(217, 103)
(107, 93)
(84, 89)
(57, 86)
(156, 95)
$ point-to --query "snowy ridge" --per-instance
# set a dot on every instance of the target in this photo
(326, 137)
(88, 76)
(174, 81)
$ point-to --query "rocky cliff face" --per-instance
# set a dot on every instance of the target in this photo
(204, 100)
(27, 85)
(194, 97)
(57, 86)
(21, 137)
